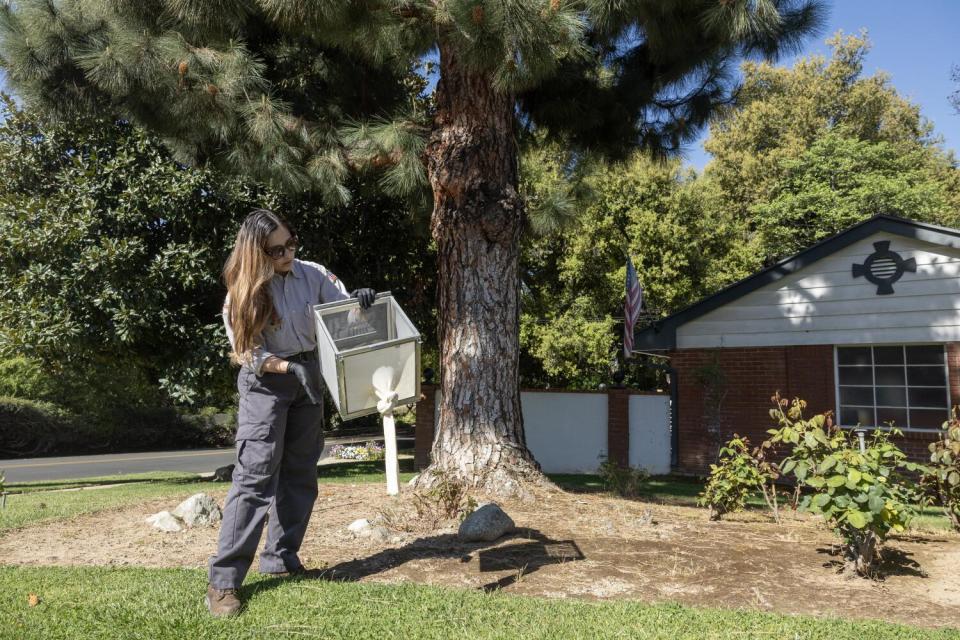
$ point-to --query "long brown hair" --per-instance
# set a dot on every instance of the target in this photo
(247, 273)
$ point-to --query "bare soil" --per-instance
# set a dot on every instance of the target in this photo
(567, 545)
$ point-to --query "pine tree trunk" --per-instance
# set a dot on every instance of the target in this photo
(477, 219)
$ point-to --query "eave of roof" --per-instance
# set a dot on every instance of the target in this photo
(662, 335)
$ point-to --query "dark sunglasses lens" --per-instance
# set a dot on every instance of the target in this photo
(280, 250)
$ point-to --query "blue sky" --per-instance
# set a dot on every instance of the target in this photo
(916, 43)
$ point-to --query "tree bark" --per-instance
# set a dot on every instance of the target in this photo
(476, 223)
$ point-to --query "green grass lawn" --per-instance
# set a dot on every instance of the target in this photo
(30, 503)
(156, 604)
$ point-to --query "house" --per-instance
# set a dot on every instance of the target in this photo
(865, 324)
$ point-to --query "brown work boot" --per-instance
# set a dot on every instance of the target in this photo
(222, 603)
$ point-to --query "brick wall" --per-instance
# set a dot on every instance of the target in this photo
(618, 426)
(751, 376)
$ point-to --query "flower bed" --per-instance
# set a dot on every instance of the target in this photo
(363, 452)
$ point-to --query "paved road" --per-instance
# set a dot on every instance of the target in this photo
(193, 460)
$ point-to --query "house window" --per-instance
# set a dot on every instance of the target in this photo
(905, 385)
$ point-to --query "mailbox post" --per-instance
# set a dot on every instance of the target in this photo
(370, 362)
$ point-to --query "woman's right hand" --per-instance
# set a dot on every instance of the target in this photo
(306, 381)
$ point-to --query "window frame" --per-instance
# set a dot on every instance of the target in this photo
(906, 386)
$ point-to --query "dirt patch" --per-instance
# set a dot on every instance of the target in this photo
(568, 546)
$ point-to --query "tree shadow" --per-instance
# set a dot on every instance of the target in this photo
(523, 558)
(527, 557)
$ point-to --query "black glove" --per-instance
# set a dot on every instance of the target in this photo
(364, 296)
(306, 380)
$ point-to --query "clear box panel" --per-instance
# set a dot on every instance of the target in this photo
(328, 364)
(404, 328)
(351, 327)
(358, 375)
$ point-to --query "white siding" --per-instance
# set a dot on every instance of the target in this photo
(824, 304)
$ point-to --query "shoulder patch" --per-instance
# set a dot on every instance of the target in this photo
(331, 277)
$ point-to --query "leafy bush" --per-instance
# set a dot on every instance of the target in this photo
(363, 452)
(21, 377)
(623, 481)
(862, 495)
(943, 472)
(29, 428)
(734, 479)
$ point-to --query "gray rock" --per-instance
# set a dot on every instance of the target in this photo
(165, 521)
(223, 474)
(359, 525)
(199, 510)
(375, 534)
(486, 524)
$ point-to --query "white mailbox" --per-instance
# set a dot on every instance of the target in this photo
(354, 343)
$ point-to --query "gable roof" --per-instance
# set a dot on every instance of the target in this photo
(662, 334)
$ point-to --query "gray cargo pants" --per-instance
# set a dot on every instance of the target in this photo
(279, 440)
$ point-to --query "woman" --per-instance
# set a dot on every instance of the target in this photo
(269, 322)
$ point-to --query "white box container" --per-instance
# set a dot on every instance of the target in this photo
(353, 343)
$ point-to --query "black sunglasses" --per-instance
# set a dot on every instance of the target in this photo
(278, 251)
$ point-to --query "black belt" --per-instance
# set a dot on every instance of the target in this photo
(303, 356)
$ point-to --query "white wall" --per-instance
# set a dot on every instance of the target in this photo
(650, 433)
(566, 432)
(824, 304)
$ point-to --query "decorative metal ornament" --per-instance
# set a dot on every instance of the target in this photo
(883, 267)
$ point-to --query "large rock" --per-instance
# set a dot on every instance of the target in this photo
(486, 524)
(223, 474)
(199, 510)
(358, 525)
(165, 521)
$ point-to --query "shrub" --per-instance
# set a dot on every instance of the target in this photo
(626, 482)
(943, 472)
(24, 378)
(30, 428)
(862, 495)
(734, 479)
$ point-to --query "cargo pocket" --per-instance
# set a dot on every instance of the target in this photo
(257, 450)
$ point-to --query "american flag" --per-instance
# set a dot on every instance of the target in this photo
(631, 310)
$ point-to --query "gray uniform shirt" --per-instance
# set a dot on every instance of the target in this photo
(307, 284)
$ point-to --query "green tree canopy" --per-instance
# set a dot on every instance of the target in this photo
(304, 95)
(111, 251)
(809, 150)
(683, 243)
